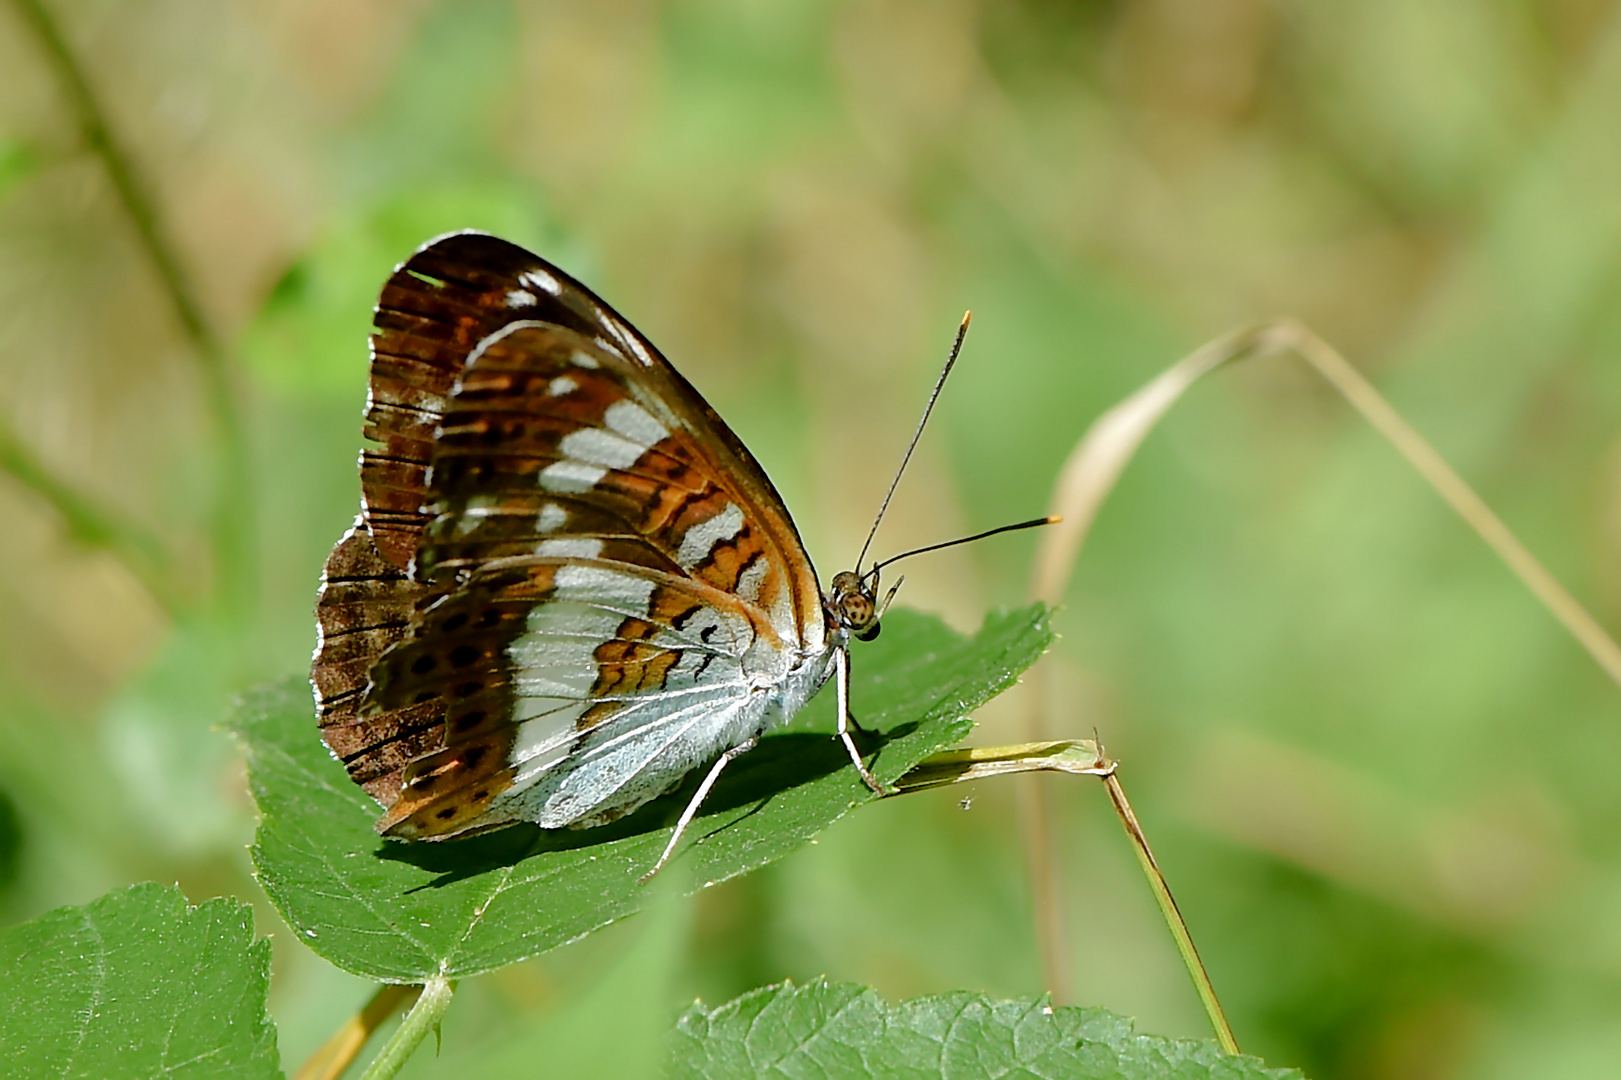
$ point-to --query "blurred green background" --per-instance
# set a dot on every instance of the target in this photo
(1383, 783)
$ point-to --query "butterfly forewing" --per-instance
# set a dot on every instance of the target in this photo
(607, 590)
(433, 312)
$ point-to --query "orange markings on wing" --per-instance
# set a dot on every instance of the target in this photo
(629, 664)
(445, 790)
(415, 693)
(729, 558)
(671, 608)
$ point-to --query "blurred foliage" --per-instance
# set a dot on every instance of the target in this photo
(1381, 780)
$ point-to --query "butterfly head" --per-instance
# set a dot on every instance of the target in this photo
(853, 605)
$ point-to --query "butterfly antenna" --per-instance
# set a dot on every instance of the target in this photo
(956, 348)
(1031, 524)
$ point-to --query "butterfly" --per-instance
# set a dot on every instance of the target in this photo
(569, 584)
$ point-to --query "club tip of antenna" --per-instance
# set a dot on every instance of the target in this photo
(1055, 519)
(967, 317)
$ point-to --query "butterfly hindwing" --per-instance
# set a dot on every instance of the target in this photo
(546, 664)
(365, 606)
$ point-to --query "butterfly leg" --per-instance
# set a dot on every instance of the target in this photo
(855, 726)
(696, 801)
(845, 720)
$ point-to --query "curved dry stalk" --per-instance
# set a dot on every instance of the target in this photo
(1090, 471)
(1086, 479)
(1095, 464)
(1450, 486)
(1167, 906)
(1075, 756)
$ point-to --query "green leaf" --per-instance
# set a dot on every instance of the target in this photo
(401, 912)
(313, 326)
(18, 161)
(137, 984)
(842, 1029)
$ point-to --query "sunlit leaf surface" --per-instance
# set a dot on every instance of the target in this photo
(843, 1029)
(137, 984)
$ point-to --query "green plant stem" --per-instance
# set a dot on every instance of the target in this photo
(232, 529)
(334, 1057)
(424, 1017)
(1173, 916)
(1080, 757)
(142, 553)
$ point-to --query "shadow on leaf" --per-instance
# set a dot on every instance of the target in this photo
(780, 763)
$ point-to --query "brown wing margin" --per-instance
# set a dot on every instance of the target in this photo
(365, 606)
(434, 309)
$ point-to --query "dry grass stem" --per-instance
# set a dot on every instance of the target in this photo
(1086, 479)
(335, 1056)
(1451, 487)
(1168, 908)
(1090, 471)
(1078, 757)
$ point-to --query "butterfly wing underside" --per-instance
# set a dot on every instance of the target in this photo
(570, 582)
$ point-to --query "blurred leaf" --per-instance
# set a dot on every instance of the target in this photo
(401, 912)
(11, 841)
(827, 1030)
(137, 984)
(18, 161)
(614, 1024)
(311, 334)
(161, 737)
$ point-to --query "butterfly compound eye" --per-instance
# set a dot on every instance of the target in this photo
(854, 606)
